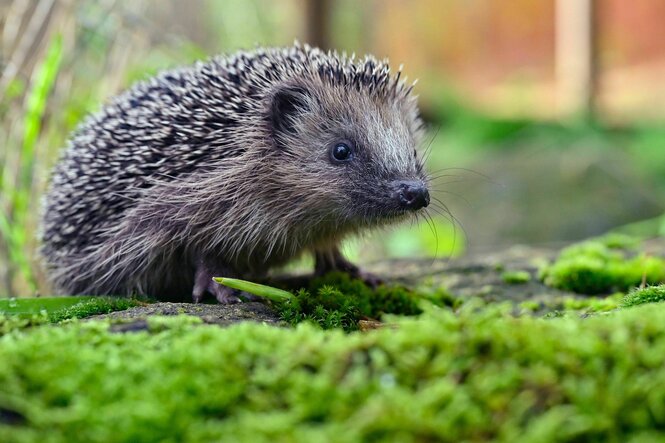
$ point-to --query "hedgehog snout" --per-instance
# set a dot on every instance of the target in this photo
(411, 195)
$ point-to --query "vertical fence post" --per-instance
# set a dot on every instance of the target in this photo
(577, 57)
(317, 23)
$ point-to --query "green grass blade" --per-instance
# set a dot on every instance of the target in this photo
(14, 224)
(268, 292)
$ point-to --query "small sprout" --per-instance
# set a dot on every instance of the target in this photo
(516, 277)
(274, 294)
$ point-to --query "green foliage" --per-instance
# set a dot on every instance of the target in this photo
(382, 300)
(649, 228)
(516, 277)
(600, 266)
(13, 323)
(62, 308)
(93, 306)
(650, 294)
(338, 301)
(328, 308)
(27, 306)
(568, 305)
(16, 186)
(436, 237)
(591, 305)
(477, 375)
(645, 146)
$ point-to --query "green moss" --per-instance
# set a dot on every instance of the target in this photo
(555, 314)
(62, 308)
(516, 277)
(650, 294)
(589, 305)
(93, 306)
(35, 305)
(574, 306)
(438, 296)
(619, 241)
(10, 323)
(476, 375)
(599, 266)
(338, 301)
(530, 306)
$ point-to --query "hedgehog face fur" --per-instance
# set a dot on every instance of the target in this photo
(361, 146)
(231, 167)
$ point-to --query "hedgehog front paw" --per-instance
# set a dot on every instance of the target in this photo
(333, 260)
(371, 280)
(203, 283)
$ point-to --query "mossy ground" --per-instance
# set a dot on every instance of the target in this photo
(337, 301)
(55, 309)
(650, 294)
(476, 374)
(516, 277)
(444, 369)
(604, 265)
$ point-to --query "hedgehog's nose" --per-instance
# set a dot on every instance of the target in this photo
(412, 195)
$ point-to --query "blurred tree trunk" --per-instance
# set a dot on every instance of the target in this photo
(317, 23)
(577, 67)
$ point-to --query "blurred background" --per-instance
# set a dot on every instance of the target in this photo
(547, 118)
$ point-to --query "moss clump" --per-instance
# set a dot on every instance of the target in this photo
(530, 306)
(56, 309)
(569, 305)
(338, 301)
(599, 266)
(591, 305)
(328, 308)
(476, 375)
(35, 305)
(516, 277)
(93, 306)
(10, 323)
(650, 294)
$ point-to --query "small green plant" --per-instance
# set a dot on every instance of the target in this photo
(516, 277)
(650, 294)
(338, 301)
(16, 185)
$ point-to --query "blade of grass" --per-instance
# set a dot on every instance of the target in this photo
(13, 223)
(268, 292)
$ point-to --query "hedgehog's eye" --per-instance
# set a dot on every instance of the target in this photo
(341, 152)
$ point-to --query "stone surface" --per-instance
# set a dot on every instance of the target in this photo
(479, 274)
(134, 319)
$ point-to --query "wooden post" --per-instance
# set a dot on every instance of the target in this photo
(317, 23)
(576, 57)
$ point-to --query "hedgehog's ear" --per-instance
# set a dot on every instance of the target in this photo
(287, 102)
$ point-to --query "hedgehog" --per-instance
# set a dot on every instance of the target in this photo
(231, 167)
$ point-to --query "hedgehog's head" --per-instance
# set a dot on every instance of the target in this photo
(347, 147)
